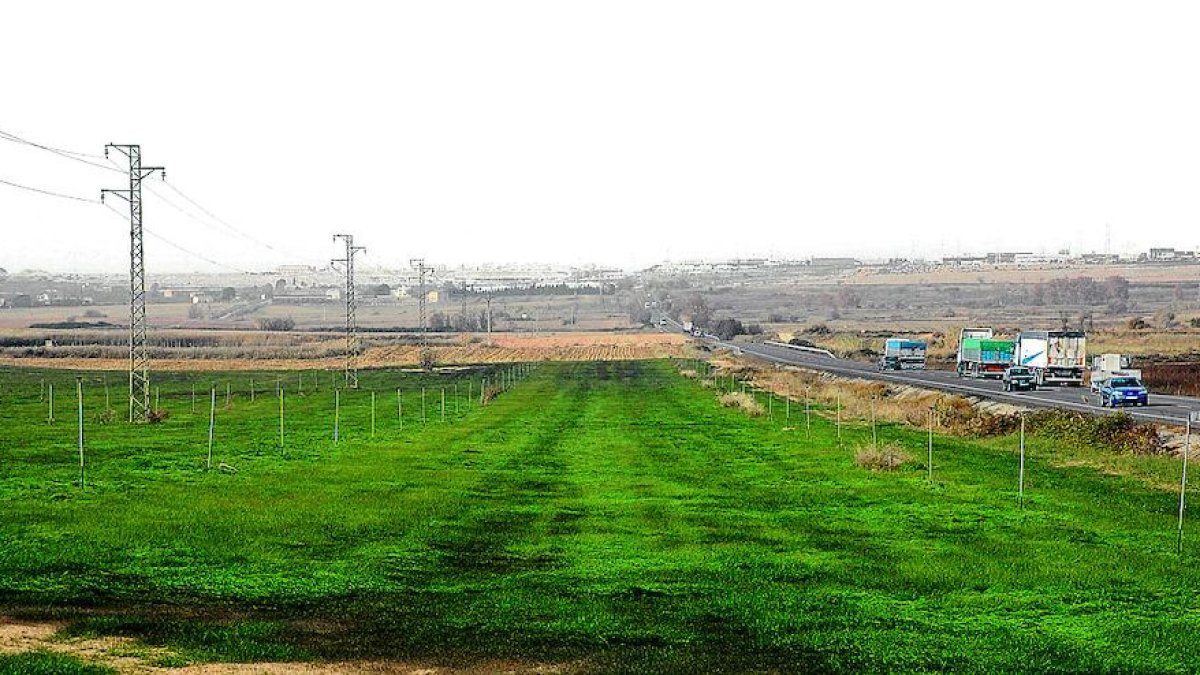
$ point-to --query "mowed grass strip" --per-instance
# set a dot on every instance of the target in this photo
(611, 516)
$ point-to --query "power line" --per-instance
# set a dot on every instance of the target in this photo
(49, 193)
(208, 260)
(66, 154)
(215, 220)
(177, 247)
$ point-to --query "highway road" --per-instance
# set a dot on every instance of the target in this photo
(1167, 409)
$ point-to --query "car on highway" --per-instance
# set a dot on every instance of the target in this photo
(1019, 378)
(1123, 391)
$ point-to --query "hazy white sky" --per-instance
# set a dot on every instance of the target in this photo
(609, 132)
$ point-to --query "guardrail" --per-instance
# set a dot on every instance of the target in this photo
(801, 348)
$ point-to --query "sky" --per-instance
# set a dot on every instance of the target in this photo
(615, 133)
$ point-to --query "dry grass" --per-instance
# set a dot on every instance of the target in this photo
(261, 351)
(745, 402)
(862, 399)
(1152, 342)
(887, 458)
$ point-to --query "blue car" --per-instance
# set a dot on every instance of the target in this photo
(1122, 391)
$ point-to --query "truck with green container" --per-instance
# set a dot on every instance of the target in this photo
(985, 358)
(982, 355)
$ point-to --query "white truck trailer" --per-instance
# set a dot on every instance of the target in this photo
(1106, 366)
(1055, 356)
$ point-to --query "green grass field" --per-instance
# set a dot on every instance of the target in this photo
(612, 517)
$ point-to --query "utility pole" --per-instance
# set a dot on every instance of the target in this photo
(139, 355)
(352, 345)
(422, 297)
(489, 311)
(464, 308)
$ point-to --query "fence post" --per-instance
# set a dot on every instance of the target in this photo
(874, 427)
(1187, 450)
(839, 418)
(337, 414)
(1021, 471)
(932, 412)
(212, 418)
(808, 417)
(79, 396)
(50, 411)
(372, 414)
(281, 446)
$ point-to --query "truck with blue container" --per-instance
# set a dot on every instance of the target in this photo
(1054, 356)
(903, 354)
(982, 355)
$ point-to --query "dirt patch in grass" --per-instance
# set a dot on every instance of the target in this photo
(127, 655)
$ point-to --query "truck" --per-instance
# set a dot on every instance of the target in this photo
(903, 354)
(1106, 366)
(1055, 356)
(985, 357)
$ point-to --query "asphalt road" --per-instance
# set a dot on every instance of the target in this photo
(1169, 409)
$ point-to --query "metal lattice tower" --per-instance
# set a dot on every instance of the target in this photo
(352, 344)
(139, 354)
(422, 298)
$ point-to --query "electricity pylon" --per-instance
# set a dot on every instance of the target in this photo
(422, 297)
(352, 344)
(139, 354)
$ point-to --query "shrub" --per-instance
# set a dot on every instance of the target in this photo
(282, 324)
(887, 458)
(157, 416)
(744, 401)
(1118, 432)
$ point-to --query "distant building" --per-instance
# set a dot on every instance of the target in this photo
(1006, 258)
(1099, 258)
(1030, 259)
(966, 261)
(834, 263)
